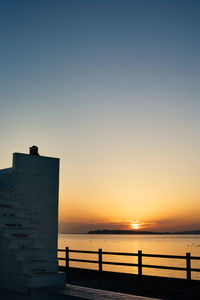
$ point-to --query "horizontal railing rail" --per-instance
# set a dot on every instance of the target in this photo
(188, 258)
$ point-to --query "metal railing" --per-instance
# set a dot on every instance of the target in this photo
(188, 258)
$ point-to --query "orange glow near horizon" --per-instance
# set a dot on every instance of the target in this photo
(101, 199)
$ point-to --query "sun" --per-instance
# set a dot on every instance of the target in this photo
(135, 226)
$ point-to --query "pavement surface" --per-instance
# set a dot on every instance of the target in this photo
(130, 284)
(95, 294)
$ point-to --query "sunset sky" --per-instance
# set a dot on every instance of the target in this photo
(112, 88)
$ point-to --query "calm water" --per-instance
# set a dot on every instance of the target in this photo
(151, 244)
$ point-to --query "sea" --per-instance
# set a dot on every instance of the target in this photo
(149, 244)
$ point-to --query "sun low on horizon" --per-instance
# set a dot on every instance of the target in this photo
(136, 226)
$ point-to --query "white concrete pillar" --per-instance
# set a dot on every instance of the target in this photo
(36, 184)
(29, 223)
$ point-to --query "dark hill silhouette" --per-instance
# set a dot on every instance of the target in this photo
(108, 231)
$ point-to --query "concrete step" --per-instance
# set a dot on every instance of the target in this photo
(6, 194)
(16, 243)
(33, 254)
(9, 204)
(19, 233)
(11, 211)
(15, 222)
(22, 283)
(39, 267)
(47, 279)
(30, 267)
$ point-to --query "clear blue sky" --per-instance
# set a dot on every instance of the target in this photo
(111, 87)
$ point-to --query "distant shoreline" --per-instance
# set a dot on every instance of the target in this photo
(134, 232)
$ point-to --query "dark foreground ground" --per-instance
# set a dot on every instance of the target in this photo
(149, 286)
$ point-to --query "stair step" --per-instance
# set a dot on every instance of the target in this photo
(39, 267)
(21, 283)
(15, 222)
(16, 243)
(9, 204)
(10, 232)
(47, 279)
(6, 194)
(33, 267)
(33, 254)
(11, 211)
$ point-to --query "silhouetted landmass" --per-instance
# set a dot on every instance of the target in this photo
(107, 231)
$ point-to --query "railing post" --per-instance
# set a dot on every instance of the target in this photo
(66, 259)
(188, 266)
(139, 262)
(100, 260)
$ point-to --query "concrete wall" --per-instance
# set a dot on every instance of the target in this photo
(29, 223)
(36, 183)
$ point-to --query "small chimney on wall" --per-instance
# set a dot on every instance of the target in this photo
(33, 150)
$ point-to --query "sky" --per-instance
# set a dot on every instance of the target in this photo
(111, 87)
